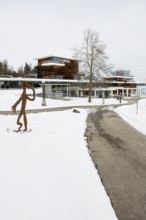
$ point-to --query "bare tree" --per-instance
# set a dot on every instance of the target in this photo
(92, 57)
(121, 72)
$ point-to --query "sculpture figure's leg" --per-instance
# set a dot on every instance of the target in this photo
(18, 122)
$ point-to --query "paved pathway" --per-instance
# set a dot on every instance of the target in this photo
(56, 109)
(119, 153)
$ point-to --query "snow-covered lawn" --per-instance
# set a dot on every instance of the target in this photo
(8, 98)
(47, 173)
(134, 114)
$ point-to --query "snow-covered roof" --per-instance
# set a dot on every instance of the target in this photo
(122, 77)
(43, 80)
(47, 57)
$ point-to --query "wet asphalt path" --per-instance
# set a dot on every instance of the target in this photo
(119, 154)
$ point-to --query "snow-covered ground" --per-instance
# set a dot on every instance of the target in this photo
(8, 98)
(47, 173)
(134, 114)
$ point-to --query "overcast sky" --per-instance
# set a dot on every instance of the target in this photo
(34, 28)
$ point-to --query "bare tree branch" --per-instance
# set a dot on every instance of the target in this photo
(92, 57)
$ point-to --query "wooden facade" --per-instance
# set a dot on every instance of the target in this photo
(120, 81)
(57, 68)
(124, 85)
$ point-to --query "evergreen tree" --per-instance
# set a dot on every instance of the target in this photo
(5, 67)
(27, 69)
(1, 68)
(20, 71)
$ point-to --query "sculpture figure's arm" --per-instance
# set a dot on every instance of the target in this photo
(33, 90)
(16, 103)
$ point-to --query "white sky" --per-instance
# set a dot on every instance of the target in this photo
(32, 28)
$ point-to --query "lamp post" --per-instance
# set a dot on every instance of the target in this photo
(120, 97)
(103, 95)
(43, 93)
(67, 89)
(137, 100)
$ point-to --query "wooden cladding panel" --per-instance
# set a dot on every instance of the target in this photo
(67, 72)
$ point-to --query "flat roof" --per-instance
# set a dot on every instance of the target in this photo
(117, 76)
(47, 57)
(41, 80)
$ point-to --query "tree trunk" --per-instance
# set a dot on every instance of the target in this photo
(90, 89)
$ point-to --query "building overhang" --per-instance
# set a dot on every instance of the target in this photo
(53, 64)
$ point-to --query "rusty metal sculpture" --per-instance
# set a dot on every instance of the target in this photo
(23, 99)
